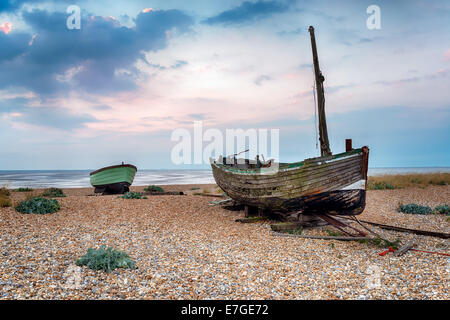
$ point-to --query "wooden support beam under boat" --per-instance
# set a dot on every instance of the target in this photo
(251, 211)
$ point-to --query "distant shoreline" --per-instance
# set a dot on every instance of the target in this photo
(207, 169)
(41, 179)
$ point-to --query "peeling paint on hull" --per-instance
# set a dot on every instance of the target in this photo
(332, 185)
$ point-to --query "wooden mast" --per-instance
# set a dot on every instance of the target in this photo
(323, 133)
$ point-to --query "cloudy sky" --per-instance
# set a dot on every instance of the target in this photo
(115, 89)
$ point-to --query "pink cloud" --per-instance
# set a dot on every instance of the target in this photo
(447, 54)
(30, 43)
(5, 27)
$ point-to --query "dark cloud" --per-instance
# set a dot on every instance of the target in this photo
(248, 11)
(44, 116)
(14, 5)
(98, 58)
(12, 46)
(11, 5)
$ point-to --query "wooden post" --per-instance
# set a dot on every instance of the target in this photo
(250, 211)
(323, 132)
(348, 145)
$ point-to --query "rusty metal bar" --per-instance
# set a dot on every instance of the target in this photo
(348, 145)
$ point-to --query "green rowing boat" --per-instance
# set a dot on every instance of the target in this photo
(114, 179)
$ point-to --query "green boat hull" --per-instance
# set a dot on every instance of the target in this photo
(114, 179)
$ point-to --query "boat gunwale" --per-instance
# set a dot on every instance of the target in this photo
(286, 166)
(113, 167)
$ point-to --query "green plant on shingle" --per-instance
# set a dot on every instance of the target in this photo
(53, 193)
(106, 259)
(132, 195)
(442, 209)
(4, 198)
(413, 208)
(4, 202)
(380, 186)
(153, 188)
(38, 205)
(298, 231)
(382, 243)
(333, 233)
(4, 192)
(23, 189)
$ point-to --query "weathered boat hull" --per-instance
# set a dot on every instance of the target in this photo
(328, 185)
(114, 179)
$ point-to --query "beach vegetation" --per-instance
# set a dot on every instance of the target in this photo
(153, 188)
(53, 193)
(399, 181)
(132, 195)
(413, 208)
(4, 198)
(333, 233)
(105, 258)
(4, 192)
(38, 205)
(21, 189)
(297, 231)
(382, 243)
(442, 209)
(5, 202)
(379, 186)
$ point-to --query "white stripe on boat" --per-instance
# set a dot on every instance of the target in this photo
(361, 184)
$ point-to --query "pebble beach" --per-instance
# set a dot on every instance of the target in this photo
(185, 248)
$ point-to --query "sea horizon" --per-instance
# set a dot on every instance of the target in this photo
(79, 178)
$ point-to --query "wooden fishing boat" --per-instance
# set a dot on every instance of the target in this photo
(326, 185)
(114, 179)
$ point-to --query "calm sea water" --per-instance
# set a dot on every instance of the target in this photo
(80, 178)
